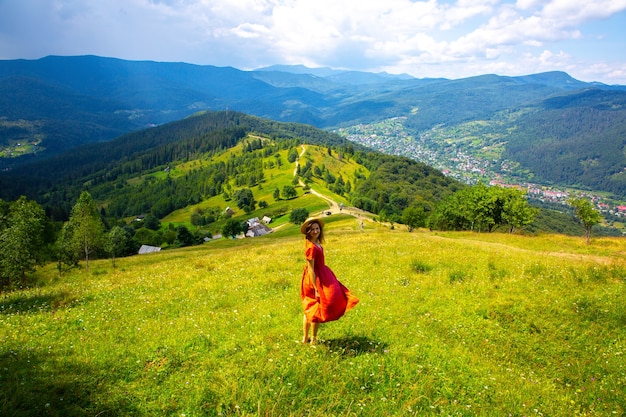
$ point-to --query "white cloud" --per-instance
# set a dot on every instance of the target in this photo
(574, 12)
(457, 38)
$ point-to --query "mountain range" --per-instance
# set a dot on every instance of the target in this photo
(560, 130)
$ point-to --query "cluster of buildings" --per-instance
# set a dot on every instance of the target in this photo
(560, 196)
(391, 137)
(258, 227)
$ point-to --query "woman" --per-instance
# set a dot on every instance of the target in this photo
(324, 298)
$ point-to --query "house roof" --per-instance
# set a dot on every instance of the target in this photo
(148, 249)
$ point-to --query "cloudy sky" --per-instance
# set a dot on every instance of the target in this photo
(424, 38)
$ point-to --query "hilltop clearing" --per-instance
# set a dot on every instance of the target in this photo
(448, 324)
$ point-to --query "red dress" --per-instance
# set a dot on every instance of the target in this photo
(334, 298)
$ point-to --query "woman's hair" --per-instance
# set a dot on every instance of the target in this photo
(320, 238)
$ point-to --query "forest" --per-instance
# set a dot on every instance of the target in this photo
(579, 140)
(109, 165)
(558, 130)
(151, 174)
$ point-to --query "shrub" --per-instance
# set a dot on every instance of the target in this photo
(420, 266)
(298, 215)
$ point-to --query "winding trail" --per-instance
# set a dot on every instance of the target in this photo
(334, 207)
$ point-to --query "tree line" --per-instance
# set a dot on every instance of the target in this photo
(29, 239)
(68, 226)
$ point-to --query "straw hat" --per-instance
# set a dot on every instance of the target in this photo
(308, 221)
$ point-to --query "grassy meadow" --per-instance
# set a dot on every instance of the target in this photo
(276, 178)
(449, 324)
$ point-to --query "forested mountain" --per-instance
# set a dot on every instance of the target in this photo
(561, 130)
(110, 170)
(189, 171)
(578, 139)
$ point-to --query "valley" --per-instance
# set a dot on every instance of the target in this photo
(472, 301)
(472, 152)
(547, 129)
(106, 124)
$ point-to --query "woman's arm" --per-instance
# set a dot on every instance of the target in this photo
(311, 273)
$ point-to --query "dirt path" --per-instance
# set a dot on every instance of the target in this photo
(334, 207)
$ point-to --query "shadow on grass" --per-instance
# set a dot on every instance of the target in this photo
(351, 346)
(36, 384)
(38, 303)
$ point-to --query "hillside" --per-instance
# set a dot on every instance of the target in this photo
(540, 130)
(208, 157)
(448, 324)
(188, 172)
(577, 139)
(55, 103)
(574, 140)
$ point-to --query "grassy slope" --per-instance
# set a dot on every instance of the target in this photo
(276, 177)
(448, 324)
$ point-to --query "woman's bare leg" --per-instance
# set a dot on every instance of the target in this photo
(306, 325)
(314, 327)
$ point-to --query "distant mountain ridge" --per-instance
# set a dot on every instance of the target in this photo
(352, 77)
(55, 103)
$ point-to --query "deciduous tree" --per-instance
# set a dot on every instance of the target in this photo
(288, 192)
(184, 237)
(116, 242)
(21, 239)
(516, 212)
(245, 200)
(232, 228)
(585, 212)
(413, 217)
(298, 215)
(86, 226)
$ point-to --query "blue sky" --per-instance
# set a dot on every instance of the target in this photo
(430, 38)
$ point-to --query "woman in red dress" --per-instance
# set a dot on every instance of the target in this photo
(324, 298)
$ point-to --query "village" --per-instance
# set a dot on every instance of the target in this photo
(391, 137)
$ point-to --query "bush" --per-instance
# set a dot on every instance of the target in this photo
(299, 215)
(420, 266)
(289, 192)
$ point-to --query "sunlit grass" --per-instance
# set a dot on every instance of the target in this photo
(275, 178)
(448, 324)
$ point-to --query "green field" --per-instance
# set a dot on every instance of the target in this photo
(276, 178)
(452, 324)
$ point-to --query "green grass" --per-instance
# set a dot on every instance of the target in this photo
(448, 324)
(276, 178)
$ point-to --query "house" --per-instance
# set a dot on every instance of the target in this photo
(148, 249)
(256, 228)
(229, 211)
(267, 220)
(259, 229)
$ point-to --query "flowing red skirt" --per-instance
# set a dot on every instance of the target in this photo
(333, 300)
